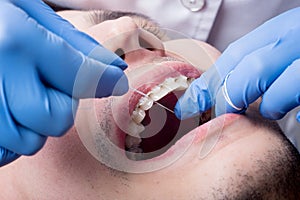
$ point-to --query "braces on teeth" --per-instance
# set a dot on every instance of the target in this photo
(158, 92)
(133, 140)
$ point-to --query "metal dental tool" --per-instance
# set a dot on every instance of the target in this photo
(143, 94)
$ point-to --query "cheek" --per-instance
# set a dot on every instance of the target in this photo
(241, 159)
(225, 168)
(96, 124)
(68, 149)
(62, 155)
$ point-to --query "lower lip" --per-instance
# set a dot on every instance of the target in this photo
(198, 135)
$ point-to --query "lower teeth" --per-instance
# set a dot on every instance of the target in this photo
(134, 156)
(135, 150)
(131, 141)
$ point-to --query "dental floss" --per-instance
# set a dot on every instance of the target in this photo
(143, 94)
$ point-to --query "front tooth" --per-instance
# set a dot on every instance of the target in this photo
(138, 115)
(156, 89)
(145, 103)
(135, 129)
(132, 141)
(170, 84)
(157, 96)
(182, 82)
(169, 81)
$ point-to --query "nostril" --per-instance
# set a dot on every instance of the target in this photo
(120, 53)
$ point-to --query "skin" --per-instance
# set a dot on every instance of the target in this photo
(65, 169)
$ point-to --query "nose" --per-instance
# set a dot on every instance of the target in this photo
(125, 35)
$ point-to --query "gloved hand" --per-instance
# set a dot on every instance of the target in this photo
(264, 63)
(40, 55)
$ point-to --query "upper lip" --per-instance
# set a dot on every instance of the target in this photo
(160, 70)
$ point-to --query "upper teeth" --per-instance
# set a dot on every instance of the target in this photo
(134, 129)
(182, 82)
(139, 115)
(145, 103)
(132, 142)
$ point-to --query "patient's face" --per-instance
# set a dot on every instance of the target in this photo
(210, 161)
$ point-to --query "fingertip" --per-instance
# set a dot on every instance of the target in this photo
(106, 56)
(177, 111)
(271, 115)
(186, 107)
(268, 111)
(120, 63)
(112, 82)
(121, 86)
(194, 101)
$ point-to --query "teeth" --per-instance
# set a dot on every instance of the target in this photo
(145, 103)
(156, 89)
(138, 115)
(132, 142)
(135, 150)
(169, 81)
(157, 95)
(182, 82)
(170, 84)
(134, 154)
(135, 129)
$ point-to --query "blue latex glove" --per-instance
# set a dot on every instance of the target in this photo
(264, 62)
(40, 55)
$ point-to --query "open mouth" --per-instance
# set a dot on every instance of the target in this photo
(154, 129)
(131, 133)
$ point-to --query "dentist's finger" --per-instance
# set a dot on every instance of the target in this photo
(256, 72)
(283, 95)
(200, 95)
(257, 39)
(57, 63)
